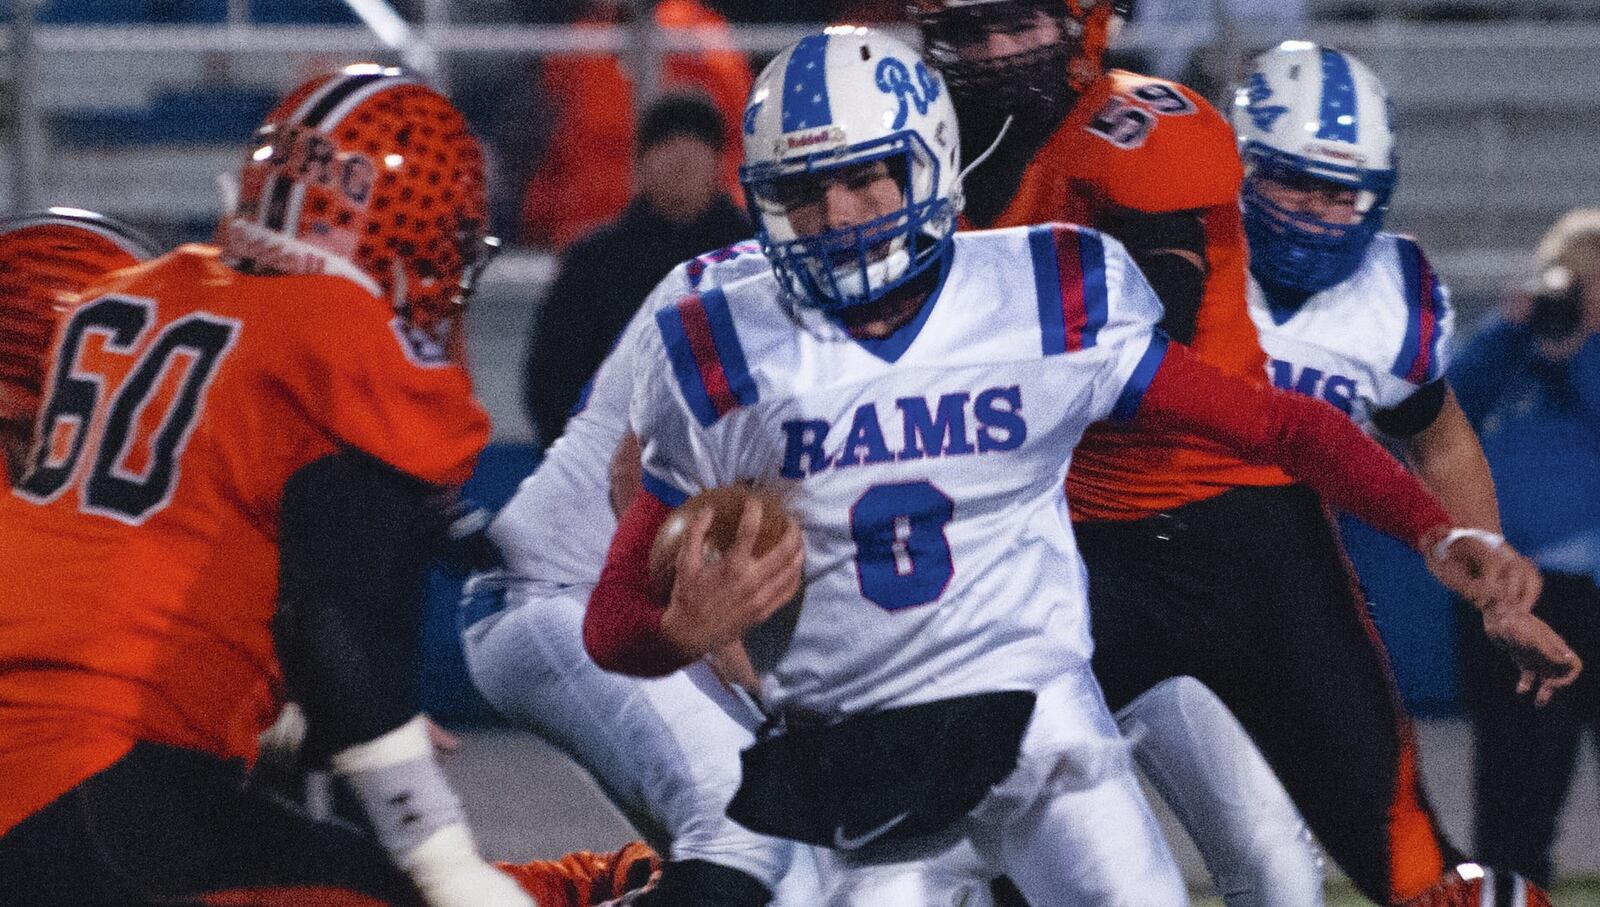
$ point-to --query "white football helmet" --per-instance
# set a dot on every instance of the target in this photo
(1311, 112)
(844, 97)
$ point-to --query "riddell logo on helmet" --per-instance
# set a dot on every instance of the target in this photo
(307, 155)
(796, 141)
(1337, 152)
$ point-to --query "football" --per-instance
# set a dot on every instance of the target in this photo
(727, 504)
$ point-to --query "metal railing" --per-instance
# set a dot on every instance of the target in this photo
(1434, 68)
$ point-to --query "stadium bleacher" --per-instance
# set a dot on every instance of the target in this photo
(1493, 115)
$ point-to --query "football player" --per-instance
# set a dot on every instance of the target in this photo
(917, 393)
(230, 499)
(45, 259)
(1200, 562)
(662, 749)
(1347, 312)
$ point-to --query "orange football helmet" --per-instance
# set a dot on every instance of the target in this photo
(45, 260)
(1037, 85)
(372, 175)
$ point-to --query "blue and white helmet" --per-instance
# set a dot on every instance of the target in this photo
(1307, 110)
(843, 97)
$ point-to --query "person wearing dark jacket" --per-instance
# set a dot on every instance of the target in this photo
(679, 211)
(1530, 383)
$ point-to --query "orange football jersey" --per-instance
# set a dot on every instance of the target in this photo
(1147, 144)
(139, 550)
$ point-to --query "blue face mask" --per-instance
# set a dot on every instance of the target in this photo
(1297, 251)
(851, 266)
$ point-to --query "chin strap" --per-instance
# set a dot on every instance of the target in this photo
(993, 147)
(228, 190)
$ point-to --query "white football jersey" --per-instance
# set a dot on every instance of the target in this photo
(573, 479)
(925, 469)
(1367, 343)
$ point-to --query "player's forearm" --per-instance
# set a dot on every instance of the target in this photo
(1310, 440)
(1447, 457)
(622, 625)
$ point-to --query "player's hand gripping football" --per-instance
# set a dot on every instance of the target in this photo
(1503, 585)
(716, 598)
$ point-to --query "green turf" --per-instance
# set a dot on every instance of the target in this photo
(1574, 892)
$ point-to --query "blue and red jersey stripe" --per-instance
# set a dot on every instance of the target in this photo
(703, 347)
(1069, 274)
(1419, 360)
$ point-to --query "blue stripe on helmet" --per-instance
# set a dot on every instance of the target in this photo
(1338, 99)
(805, 86)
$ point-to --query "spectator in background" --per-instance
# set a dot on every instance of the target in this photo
(679, 210)
(1530, 383)
(583, 179)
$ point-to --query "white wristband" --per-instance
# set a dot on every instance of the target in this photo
(1455, 535)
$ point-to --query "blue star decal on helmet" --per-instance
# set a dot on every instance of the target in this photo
(1338, 99)
(1264, 115)
(805, 98)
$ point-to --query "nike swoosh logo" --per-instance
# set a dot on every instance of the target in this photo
(841, 841)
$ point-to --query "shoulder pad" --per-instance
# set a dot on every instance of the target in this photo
(1155, 145)
(707, 359)
(1427, 307)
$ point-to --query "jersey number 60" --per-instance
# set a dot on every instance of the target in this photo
(113, 488)
(902, 556)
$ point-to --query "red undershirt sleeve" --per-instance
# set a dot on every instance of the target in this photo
(622, 625)
(1307, 438)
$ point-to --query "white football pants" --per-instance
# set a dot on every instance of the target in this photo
(660, 749)
(1195, 753)
(1202, 761)
(1070, 825)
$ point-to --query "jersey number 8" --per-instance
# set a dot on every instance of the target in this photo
(902, 555)
(195, 344)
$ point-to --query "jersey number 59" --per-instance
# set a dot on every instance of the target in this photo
(1126, 121)
(116, 485)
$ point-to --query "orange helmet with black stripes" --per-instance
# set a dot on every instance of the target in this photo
(46, 259)
(370, 174)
